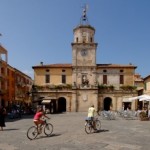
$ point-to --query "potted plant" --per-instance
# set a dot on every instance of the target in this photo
(143, 116)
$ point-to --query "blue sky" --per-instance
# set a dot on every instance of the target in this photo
(42, 30)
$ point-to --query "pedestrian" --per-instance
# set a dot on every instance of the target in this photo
(2, 117)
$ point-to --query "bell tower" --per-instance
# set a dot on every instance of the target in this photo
(84, 63)
(84, 51)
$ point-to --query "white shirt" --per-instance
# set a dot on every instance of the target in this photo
(91, 112)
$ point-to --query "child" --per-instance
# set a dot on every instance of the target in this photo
(37, 117)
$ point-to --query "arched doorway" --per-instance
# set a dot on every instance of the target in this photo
(53, 106)
(61, 104)
(107, 103)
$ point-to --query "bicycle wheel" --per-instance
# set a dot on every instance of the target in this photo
(48, 129)
(32, 133)
(98, 124)
(88, 128)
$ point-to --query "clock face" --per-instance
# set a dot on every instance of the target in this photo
(84, 52)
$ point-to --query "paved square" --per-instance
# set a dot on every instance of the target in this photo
(69, 134)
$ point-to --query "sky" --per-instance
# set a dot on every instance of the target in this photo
(35, 31)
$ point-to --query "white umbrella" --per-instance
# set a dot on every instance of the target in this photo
(133, 98)
(136, 97)
(139, 97)
(145, 98)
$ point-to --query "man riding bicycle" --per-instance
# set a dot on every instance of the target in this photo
(91, 114)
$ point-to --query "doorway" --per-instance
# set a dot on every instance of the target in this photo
(127, 105)
(53, 106)
(61, 105)
(107, 103)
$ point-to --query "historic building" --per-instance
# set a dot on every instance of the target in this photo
(23, 84)
(76, 86)
(3, 74)
(146, 91)
(10, 94)
(147, 85)
(14, 84)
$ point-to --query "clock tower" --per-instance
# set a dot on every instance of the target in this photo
(84, 56)
(84, 52)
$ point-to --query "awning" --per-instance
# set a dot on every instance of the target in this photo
(140, 97)
(46, 101)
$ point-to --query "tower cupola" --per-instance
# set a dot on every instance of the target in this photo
(84, 33)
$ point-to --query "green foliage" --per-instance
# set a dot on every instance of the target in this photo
(106, 87)
(50, 87)
(128, 88)
(143, 116)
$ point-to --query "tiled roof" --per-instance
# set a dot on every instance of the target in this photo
(147, 77)
(116, 66)
(70, 65)
(138, 80)
(84, 26)
(53, 66)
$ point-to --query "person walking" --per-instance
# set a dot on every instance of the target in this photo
(2, 117)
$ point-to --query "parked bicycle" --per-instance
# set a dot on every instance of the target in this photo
(33, 131)
(108, 115)
(128, 114)
(89, 125)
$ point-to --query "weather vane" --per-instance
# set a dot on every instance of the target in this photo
(84, 18)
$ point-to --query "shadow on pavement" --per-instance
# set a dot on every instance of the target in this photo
(101, 130)
(11, 129)
(53, 135)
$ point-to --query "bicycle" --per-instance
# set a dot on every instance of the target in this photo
(108, 115)
(89, 125)
(33, 132)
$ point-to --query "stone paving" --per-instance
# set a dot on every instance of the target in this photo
(69, 134)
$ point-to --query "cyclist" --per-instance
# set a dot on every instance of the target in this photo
(37, 117)
(91, 114)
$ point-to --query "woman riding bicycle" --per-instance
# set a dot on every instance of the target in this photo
(37, 117)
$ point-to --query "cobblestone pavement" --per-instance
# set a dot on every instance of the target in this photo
(69, 134)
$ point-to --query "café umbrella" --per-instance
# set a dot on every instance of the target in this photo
(140, 97)
(146, 98)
